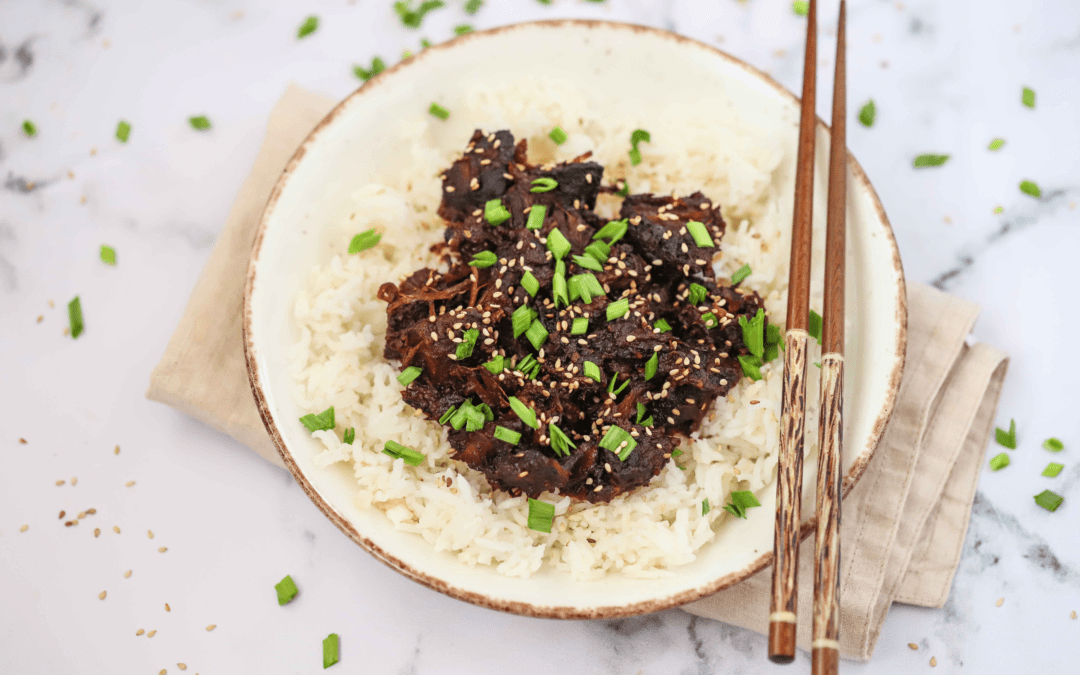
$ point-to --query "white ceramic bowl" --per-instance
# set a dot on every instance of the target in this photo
(349, 148)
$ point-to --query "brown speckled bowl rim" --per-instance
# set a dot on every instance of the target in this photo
(524, 608)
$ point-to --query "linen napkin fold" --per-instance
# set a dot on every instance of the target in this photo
(904, 522)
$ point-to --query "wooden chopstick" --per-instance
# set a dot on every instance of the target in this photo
(782, 617)
(826, 632)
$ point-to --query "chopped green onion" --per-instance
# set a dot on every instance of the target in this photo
(800, 7)
(867, 113)
(923, 161)
(772, 334)
(618, 309)
(486, 409)
(589, 263)
(558, 244)
(364, 241)
(439, 111)
(592, 371)
(545, 184)
(751, 366)
(676, 452)
(817, 364)
(530, 283)
(771, 352)
(741, 274)
(557, 135)
(526, 364)
(377, 66)
(636, 137)
(406, 55)
(495, 213)
(1028, 97)
(521, 319)
(1052, 469)
(647, 422)
(448, 414)
(560, 442)
(468, 342)
(1006, 438)
(558, 289)
(408, 375)
(740, 501)
(29, 128)
(599, 251)
(996, 144)
(537, 334)
(1029, 188)
(580, 326)
(310, 25)
(329, 650)
(324, 421)
(286, 590)
(585, 286)
(705, 506)
(199, 122)
(425, 43)
(399, 451)
(700, 234)
(349, 436)
(624, 188)
(536, 217)
(999, 462)
(618, 441)
(710, 319)
(524, 412)
(473, 6)
(640, 412)
(413, 17)
(619, 390)
(495, 365)
(815, 323)
(698, 293)
(462, 29)
(123, 131)
(663, 326)
(540, 515)
(1049, 500)
(753, 333)
(613, 231)
(484, 259)
(509, 435)
(651, 365)
(469, 416)
(1053, 445)
(108, 254)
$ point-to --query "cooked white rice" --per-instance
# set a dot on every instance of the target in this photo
(338, 360)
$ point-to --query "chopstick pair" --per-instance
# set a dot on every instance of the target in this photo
(826, 612)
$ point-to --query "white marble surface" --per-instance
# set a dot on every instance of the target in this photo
(947, 78)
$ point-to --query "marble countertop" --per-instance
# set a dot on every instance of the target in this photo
(946, 77)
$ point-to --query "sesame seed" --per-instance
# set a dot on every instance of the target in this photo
(162, 549)
(62, 514)
(130, 483)
(523, 474)
(152, 633)
(127, 575)
(211, 627)
(149, 534)
(116, 529)
(933, 661)
(1000, 602)
(97, 532)
(24, 528)
(101, 595)
(629, 338)
(182, 666)
(167, 608)
(74, 481)
(59, 483)
(140, 631)
(449, 188)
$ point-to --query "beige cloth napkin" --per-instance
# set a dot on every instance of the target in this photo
(904, 523)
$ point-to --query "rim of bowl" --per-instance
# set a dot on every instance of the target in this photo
(524, 608)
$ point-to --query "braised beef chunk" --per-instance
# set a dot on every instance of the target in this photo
(547, 369)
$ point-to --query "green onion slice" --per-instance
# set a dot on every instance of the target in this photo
(364, 241)
(521, 319)
(926, 160)
(409, 374)
(558, 290)
(592, 371)
(663, 326)
(999, 462)
(814, 329)
(399, 451)
(439, 111)
(636, 137)
(462, 29)
(484, 259)
(1027, 97)
(123, 131)
(537, 334)
(558, 244)
(448, 414)
(613, 230)
(557, 135)
(468, 342)
(1053, 445)
(524, 412)
(697, 294)
(618, 441)
(580, 326)
(1030, 189)
(651, 365)
(349, 436)
(996, 144)
(329, 650)
(710, 320)
(199, 122)
(800, 7)
(560, 442)
(751, 366)
(545, 184)
(867, 113)
(1049, 500)
(536, 217)
(29, 128)
(509, 435)
(324, 421)
(540, 515)
(741, 274)
(286, 590)
(377, 66)
(108, 254)
(753, 333)
(589, 263)
(495, 365)
(310, 25)
(530, 283)
(700, 234)
(740, 501)
(598, 250)
(618, 309)
(705, 506)
(1006, 438)
(1052, 469)
(495, 213)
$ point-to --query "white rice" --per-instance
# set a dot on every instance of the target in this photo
(338, 360)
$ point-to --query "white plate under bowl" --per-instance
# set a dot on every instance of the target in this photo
(619, 65)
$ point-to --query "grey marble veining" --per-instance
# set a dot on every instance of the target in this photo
(946, 77)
